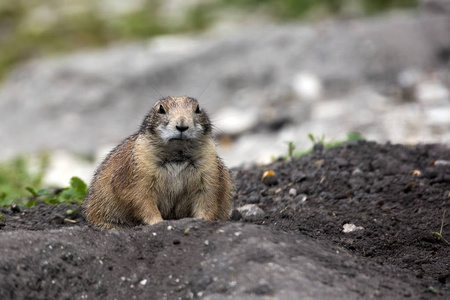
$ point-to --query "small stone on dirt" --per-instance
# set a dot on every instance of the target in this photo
(292, 192)
(357, 172)
(441, 162)
(319, 163)
(269, 178)
(416, 173)
(15, 208)
(250, 210)
(300, 198)
(143, 282)
(351, 227)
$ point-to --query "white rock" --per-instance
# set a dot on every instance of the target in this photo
(258, 148)
(432, 92)
(438, 116)
(409, 78)
(307, 86)
(292, 192)
(330, 109)
(351, 227)
(250, 210)
(143, 282)
(233, 120)
(442, 162)
(357, 172)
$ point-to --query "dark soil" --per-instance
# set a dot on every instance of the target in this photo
(296, 249)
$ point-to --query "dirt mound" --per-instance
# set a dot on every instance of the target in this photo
(394, 195)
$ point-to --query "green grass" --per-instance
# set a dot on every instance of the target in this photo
(20, 41)
(24, 36)
(439, 234)
(15, 176)
(351, 136)
(75, 193)
(24, 187)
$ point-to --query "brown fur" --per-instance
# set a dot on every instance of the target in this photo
(153, 175)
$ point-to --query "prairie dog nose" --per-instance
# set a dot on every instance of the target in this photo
(181, 128)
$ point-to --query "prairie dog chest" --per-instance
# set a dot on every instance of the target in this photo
(177, 178)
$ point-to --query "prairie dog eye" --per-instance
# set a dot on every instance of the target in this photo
(161, 110)
(197, 110)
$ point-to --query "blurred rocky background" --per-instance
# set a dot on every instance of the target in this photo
(78, 76)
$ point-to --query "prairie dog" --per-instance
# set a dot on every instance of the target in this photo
(168, 169)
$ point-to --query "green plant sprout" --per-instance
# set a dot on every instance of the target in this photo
(351, 136)
(291, 148)
(439, 234)
(76, 192)
(16, 174)
(316, 139)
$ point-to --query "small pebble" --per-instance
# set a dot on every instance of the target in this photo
(319, 163)
(409, 187)
(143, 282)
(15, 208)
(300, 198)
(357, 172)
(351, 227)
(292, 192)
(249, 210)
(269, 178)
(441, 162)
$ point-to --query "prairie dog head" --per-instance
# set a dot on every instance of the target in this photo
(177, 120)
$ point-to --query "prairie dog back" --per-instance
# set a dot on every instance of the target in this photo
(168, 169)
